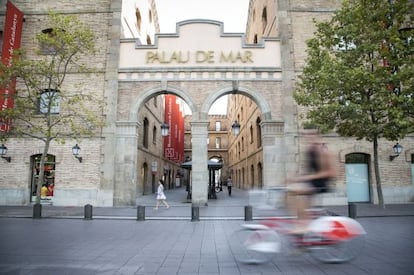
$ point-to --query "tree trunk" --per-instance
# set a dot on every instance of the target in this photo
(377, 174)
(42, 171)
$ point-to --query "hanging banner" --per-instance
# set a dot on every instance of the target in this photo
(173, 149)
(11, 42)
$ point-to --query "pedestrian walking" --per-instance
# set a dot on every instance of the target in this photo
(229, 185)
(161, 198)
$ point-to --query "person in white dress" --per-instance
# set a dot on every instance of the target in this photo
(161, 198)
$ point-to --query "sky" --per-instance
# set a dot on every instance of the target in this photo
(233, 13)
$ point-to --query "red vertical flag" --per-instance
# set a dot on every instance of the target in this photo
(11, 42)
(168, 148)
(174, 142)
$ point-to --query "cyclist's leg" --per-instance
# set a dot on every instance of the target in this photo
(299, 200)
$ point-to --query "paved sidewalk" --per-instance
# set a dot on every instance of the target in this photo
(167, 247)
(224, 207)
(168, 242)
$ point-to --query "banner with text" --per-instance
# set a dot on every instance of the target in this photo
(11, 41)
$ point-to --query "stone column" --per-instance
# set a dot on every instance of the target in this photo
(199, 135)
(274, 153)
(125, 188)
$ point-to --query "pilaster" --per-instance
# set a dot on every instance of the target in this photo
(125, 159)
(199, 135)
(274, 153)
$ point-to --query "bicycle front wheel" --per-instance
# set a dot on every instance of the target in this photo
(335, 239)
(254, 246)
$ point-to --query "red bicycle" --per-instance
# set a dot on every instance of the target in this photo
(329, 239)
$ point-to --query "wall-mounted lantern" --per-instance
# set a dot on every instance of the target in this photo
(235, 128)
(397, 151)
(75, 151)
(3, 152)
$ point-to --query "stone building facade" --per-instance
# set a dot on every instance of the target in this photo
(292, 22)
(91, 181)
(199, 63)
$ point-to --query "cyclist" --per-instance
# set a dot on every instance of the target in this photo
(301, 189)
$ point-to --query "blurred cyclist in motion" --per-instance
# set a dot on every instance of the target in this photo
(301, 189)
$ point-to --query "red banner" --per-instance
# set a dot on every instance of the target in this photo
(11, 41)
(174, 142)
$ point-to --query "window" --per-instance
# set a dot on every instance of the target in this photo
(49, 44)
(138, 16)
(49, 102)
(264, 19)
(252, 181)
(218, 126)
(259, 133)
(218, 142)
(251, 134)
(154, 135)
(145, 134)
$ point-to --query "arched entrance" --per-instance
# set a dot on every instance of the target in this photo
(200, 73)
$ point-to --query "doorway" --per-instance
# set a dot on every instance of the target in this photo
(357, 177)
(49, 177)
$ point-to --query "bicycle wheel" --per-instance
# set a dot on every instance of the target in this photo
(335, 239)
(254, 246)
(338, 251)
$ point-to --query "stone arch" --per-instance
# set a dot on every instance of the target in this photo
(256, 97)
(164, 89)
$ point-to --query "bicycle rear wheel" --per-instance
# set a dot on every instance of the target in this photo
(254, 246)
(336, 251)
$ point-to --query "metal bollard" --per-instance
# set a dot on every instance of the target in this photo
(37, 211)
(352, 210)
(88, 212)
(195, 213)
(140, 213)
(248, 213)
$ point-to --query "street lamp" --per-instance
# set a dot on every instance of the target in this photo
(165, 129)
(235, 128)
(3, 151)
(397, 151)
(75, 151)
(407, 34)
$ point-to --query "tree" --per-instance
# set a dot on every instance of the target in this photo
(44, 107)
(359, 74)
